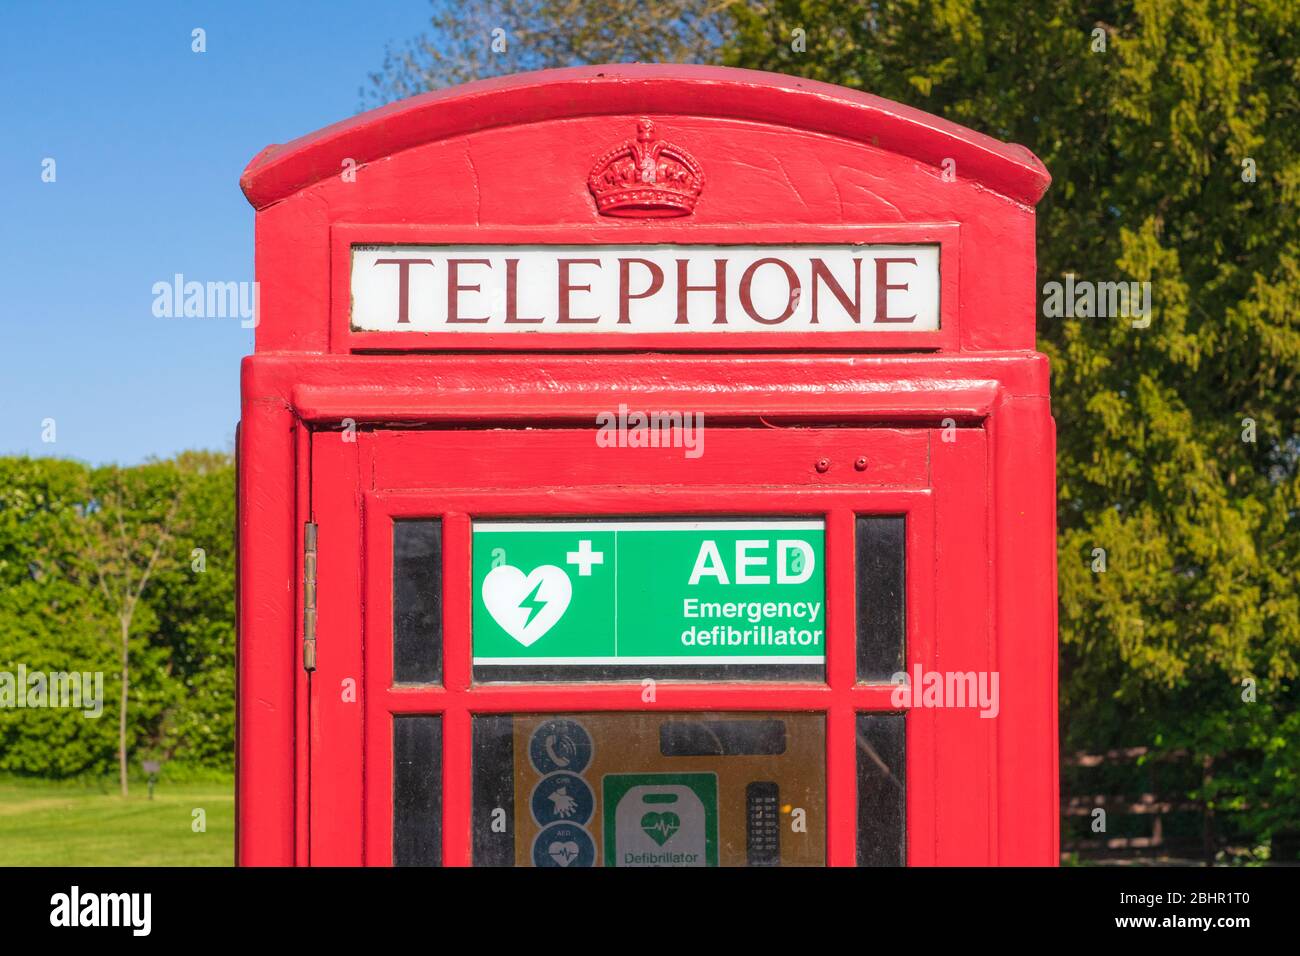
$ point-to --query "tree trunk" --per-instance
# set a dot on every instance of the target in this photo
(121, 717)
(1208, 838)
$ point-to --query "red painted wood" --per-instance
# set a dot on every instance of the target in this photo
(457, 778)
(302, 680)
(267, 645)
(421, 459)
(807, 387)
(785, 160)
(963, 642)
(926, 803)
(279, 171)
(841, 675)
(337, 724)
(558, 457)
(431, 482)
(457, 428)
(1024, 618)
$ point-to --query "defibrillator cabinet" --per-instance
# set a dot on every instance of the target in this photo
(646, 466)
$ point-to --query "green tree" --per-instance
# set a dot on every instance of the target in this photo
(127, 527)
(1171, 131)
(194, 598)
(129, 573)
(48, 623)
(1149, 116)
(469, 41)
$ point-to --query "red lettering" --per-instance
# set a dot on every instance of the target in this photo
(512, 296)
(746, 297)
(719, 290)
(454, 289)
(854, 306)
(625, 297)
(403, 284)
(566, 288)
(883, 288)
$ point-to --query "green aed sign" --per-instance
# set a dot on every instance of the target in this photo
(720, 592)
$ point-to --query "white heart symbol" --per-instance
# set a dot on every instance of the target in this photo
(526, 607)
(563, 853)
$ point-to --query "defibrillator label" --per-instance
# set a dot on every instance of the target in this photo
(660, 819)
(641, 592)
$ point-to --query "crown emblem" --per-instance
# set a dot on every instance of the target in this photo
(646, 178)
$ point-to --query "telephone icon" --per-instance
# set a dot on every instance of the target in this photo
(549, 746)
(560, 743)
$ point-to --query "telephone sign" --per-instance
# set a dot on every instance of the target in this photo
(619, 445)
(635, 289)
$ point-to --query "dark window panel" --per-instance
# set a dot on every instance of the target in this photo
(882, 789)
(721, 738)
(881, 595)
(494, 773)
(417, 601)
(417, 791)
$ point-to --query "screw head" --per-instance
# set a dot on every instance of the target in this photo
(861, 464)
(823, 465)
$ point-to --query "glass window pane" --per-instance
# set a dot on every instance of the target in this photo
(667, 597)
(417, 601)
(881, 595)
(882, 790)
(494, 790)
(636, 789)
(417, 791)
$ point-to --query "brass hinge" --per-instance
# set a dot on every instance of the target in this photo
(309, 597)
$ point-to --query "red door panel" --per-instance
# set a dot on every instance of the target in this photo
(366, 735)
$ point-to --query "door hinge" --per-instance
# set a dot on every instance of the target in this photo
(309, 597)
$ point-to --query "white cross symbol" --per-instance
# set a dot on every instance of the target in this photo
(584, 558)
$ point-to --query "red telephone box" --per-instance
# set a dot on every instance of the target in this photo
(641, 466)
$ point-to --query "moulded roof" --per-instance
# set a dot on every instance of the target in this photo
(278, 172)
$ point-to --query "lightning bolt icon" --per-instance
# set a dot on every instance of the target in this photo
(534, 606)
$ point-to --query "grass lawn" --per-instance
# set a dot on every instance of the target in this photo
(60, 824)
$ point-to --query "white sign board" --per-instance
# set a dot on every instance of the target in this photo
(646, 288)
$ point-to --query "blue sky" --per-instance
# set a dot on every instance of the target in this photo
(149, 140)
